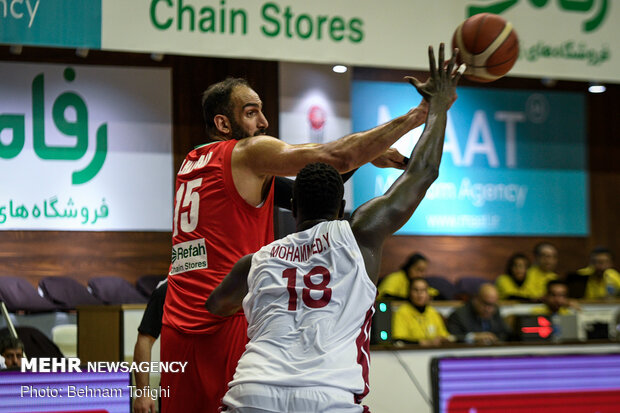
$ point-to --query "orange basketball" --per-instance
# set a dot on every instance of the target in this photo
(488, 45)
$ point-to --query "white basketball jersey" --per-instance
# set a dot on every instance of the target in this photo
(309, 308)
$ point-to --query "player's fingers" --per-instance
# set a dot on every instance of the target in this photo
(452, 62)
(442, 58)
(414, 82)
(431, 60)
(459, 72)
(398, 163)
(396, 159)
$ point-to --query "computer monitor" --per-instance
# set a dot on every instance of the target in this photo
(565, 327)
(599, 323)
(92, 392)
(566, 383)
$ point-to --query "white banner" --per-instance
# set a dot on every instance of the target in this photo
(572, 39)
(315, 107)
(85, 148)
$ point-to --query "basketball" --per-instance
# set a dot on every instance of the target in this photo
(488, 45)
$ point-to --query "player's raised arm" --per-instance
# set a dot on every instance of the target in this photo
(227, 297)
(267, 156)
(382, 216)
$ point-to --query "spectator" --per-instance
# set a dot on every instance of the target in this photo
(514, 284)
(543, 270)
(478, 321)
(397, 284)
(148, 332)
(12, 350)
(417, 322)
(603, 280)
(555, 300)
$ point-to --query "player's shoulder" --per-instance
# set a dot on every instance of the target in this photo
(341, 231)
(256, 141)
(206, 147)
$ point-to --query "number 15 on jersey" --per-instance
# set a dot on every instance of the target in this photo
(184, 198)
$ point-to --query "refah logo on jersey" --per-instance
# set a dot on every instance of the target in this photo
(187, 256)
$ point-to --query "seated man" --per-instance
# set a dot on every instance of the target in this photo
(603, 280)
(555, 300)
(478, 321)
(543, 270)
(417, 322)
(12, 350)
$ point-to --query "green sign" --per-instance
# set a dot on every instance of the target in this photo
(85, 148)
(593, 12)
(76, 130)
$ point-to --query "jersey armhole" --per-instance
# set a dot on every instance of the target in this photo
(229, 184)
(344, 227)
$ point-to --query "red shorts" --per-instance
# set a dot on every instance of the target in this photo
(211, 362)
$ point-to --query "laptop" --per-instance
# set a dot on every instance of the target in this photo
(565, 327)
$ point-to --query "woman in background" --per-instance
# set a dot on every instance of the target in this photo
(513, 284)
(415, 321)
(398, 284)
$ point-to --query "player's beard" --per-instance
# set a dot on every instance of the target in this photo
(237, 132)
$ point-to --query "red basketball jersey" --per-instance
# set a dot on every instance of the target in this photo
(213, 226)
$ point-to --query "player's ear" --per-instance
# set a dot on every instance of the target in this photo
(341, 212)
(222, 124)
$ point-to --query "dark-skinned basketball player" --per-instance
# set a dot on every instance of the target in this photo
(309, 297)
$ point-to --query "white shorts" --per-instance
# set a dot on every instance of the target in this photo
(260, 398)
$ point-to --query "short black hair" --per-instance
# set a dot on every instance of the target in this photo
(8, 342)
(216, 101)
(413, 258)
(601, 250)
(555, 282)
(318, 191)
(512, 259)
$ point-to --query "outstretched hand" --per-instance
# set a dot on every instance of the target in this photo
(390, 159)
(440, 87)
